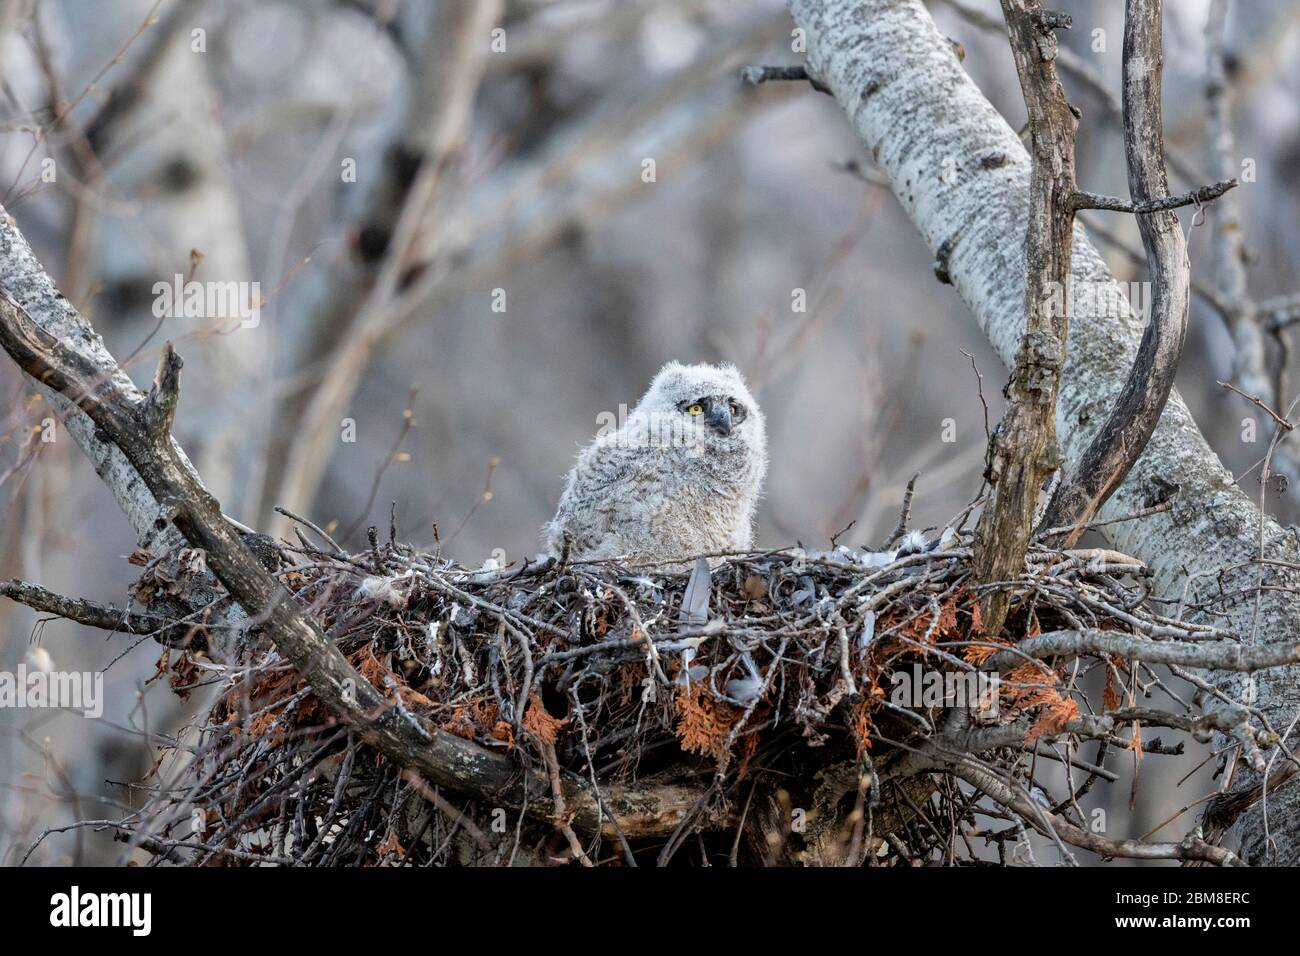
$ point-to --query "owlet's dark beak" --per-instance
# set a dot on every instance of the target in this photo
(718, 417)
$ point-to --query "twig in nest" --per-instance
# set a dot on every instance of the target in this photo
(905, 513)
(314, 527)
(561, 812)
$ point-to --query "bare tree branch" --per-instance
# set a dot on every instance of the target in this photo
(1216, 655)
(1055, 825)
(1123, 438)
(1023, 453)
(1199, 196)
(757, 75)
(89, 613)
(1281, 313)
(1249, 368)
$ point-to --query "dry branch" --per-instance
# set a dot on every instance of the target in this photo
(1123, 438)
(1023, 453)
(85, 612)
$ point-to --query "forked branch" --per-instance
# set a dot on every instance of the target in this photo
(1115, 448)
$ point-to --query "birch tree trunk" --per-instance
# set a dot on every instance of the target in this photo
(912, 104)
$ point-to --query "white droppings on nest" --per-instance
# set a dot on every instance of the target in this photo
(433, 638)
(868, 633)
(877, 559)
(744, 689)
(912, 541)
(393, 590)
(488, 572)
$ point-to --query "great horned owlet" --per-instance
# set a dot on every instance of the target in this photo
(680, 477)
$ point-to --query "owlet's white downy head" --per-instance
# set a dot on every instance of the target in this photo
(679, 478)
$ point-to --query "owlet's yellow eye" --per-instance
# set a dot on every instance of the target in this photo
(696, 409)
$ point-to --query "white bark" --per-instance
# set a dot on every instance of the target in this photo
(30, 286)
(915, 108)
(23, 279)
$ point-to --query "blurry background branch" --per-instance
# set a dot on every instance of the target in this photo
(396, 222)
(1247, 321)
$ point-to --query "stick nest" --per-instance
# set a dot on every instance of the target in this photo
(763, 689)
